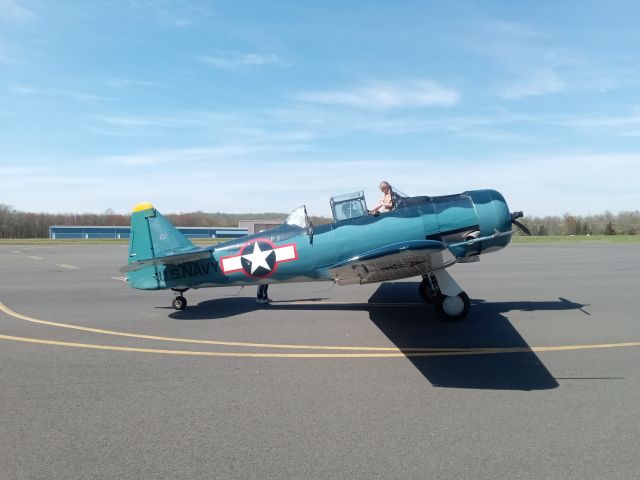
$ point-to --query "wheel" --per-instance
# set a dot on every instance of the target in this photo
(179, 303)
(427, 294)
(453, 308)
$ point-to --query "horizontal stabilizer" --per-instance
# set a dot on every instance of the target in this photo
(174, 259)
(398, 260)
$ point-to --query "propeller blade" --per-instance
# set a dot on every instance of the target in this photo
(514, 217)
(521, 227)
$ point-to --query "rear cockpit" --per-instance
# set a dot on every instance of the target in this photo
(347, 206)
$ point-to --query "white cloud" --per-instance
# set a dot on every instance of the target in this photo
(511, 29)
(236, 178)
(10, 53)
(252, 127)
(525, 60)
(495, 136)
(553, 184)
(236, 60)
(13, 10)
(537, 81)
(381, 95)
(208, 156)
(627, 125)
(119, 82)
(148, 125)
(178, 15)
(177, 120)
(323, 121)
(30, 90)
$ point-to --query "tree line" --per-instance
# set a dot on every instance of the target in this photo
(17, 224)
(607, 223)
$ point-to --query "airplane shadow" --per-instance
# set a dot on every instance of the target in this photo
(485, 327)
(417, 326)
(231, 306)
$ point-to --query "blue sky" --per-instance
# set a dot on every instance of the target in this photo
(251, 106)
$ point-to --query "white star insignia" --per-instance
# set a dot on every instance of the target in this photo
(258, 258)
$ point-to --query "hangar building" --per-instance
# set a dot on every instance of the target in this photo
(66, 231)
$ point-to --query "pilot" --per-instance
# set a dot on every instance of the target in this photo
(262, 294)
(386, 202)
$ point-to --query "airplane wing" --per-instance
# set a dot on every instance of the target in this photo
(398, 260)
(170, 259)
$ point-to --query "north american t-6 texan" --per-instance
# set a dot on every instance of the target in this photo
(419, 236)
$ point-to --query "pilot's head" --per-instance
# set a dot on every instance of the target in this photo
(385, 186)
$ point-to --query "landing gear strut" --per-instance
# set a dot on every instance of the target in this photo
(179, 302)
(440, 289)
(428, 288)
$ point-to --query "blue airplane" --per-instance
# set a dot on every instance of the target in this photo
(420, 236)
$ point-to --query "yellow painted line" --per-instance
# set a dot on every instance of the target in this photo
(19, 316)
(212, 354)
(389, 352)
(314, 355)
(586, 347)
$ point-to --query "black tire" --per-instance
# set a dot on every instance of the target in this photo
(426, 292)
(453, 309)
(179, 303)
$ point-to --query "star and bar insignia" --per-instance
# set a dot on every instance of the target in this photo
(259, 258)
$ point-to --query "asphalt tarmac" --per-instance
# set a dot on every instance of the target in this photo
(101, 381)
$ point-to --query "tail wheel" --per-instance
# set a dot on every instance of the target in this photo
(179, 303)
(453, 308)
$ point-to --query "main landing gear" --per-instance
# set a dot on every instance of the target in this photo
(179, 302)
(441, 290)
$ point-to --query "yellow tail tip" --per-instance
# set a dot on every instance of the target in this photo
(142, 206)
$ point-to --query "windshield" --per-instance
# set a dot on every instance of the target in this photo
(298, 217)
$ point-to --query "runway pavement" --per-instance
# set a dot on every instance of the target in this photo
(98, 380)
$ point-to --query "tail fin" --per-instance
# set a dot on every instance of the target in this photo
(152, 235)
